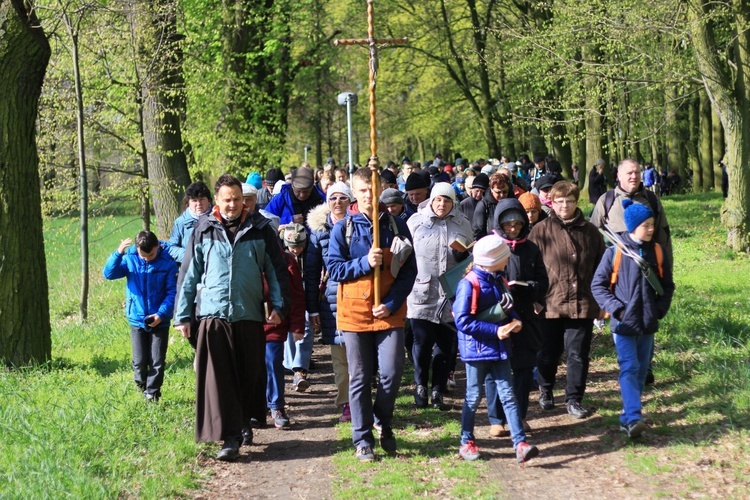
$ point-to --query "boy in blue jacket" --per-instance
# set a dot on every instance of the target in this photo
(149, 303)
(484, 343)
(634, 306)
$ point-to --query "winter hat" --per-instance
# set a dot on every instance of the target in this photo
(277, 187)
(249, 190)
(294, 235)
(303, 178)
(390, 196)
(273, 175)
(434, 172)
(254, 179)
(388, 177)
(481, 181)
(469, 182)
(546, 181)
(530, 201)
(416, 181)
(443, 189)
(512, 215)
(460, 161)
(488, 169)
(635, 214)
(490, 250)
(339, 187)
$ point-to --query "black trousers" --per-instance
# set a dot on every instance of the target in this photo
(574, 337)
(433, 344)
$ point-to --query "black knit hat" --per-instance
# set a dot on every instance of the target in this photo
(388, 177)
(416, 181)
(391, 196)
(481, 181)
(274, 175)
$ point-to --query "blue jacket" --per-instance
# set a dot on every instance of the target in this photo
(477, 340)
(228, 275)
(634, 306)
(324, 304)
(282, 205)
(181, 231)
(150, 287)
(649, 177)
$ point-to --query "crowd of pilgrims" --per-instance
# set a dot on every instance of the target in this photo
(307, 237)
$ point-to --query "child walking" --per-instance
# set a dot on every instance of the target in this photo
(484, 344)
(149, 303)
(624, 291)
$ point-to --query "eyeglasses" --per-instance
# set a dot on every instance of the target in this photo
(338, 198)
(564, 201)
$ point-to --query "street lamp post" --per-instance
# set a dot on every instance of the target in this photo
(348, 99)
(307, 148)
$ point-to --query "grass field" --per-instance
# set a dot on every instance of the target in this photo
(77, 427)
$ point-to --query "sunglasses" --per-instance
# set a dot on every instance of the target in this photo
(338, 198)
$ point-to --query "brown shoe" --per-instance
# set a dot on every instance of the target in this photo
(498, 430)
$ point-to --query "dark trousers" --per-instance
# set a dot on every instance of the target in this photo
(230, 377)
(574, 337)
(432, 348)
(149, 355)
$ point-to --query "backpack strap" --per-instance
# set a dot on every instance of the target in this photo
(609, 200)
(474, 280)
(349, 230)
(615, 269)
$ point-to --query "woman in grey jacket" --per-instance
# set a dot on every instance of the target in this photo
(440, 233)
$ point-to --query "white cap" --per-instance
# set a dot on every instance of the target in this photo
(248, 190)
(443, 189)
(339, 187)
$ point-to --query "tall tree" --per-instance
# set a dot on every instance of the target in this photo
(727, 80)
(24, 304)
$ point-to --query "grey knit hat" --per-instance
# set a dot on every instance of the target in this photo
(392, 195)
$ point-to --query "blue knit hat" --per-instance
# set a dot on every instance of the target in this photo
(635, 214)
(254, 179)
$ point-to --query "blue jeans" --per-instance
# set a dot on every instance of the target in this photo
(361, 351)
(499, 371)
(297, 354)
(633, 355)
(523, 383)
(149, 355)
(275, 375)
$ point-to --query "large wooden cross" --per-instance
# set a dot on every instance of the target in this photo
(373, 163)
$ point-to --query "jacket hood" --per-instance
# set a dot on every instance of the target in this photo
(506, 205)
(317, 218)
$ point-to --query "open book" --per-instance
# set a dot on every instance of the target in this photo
(461, 245)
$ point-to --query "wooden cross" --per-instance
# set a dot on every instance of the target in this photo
(373, 163)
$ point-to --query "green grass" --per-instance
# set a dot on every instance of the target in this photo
(76, 427)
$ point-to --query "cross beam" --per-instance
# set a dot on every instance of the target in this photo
(373, 163)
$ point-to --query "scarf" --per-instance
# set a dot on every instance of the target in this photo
(513, 243)
(197, 216)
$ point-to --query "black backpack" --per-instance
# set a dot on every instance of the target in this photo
(609, 200)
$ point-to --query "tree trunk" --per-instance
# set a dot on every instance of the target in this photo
(24, 302)
(706, 158)
(561, 148)
(718, 149)
(693, 155)
(163, 105)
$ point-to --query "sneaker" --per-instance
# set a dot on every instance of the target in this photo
(247, 436)
(634, 429)
(229, 451)
(300, 383)
(280, 420)
(525, 452)
(257, 424)
(499, 430)
(387, 440)
(437, 401)
(469, 451)
(576, 410)
(546, 400)
(451, 381)
(151, 397)
(365, 454)
(346, 414)
(420, 396)
(650, 377)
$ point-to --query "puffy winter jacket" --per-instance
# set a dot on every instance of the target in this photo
(571, 254)
(477, 340)
(324, 304)
(181, 231)
(285, 206)
(150, 287)
(634, 305)
(525, 264)
(229, 275)
(347, 264)
(294, 322)
(432, 238)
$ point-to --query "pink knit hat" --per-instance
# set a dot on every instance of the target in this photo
(490, 250)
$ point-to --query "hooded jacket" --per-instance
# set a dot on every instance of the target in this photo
(634, 306)
(181, 231)
(482, 222)
(294, 322)
(571, 255)
(283, 204)
(150, 287)
(432, 238)
(347, 264)
(525, 264)
(229, 274)
(317, 300)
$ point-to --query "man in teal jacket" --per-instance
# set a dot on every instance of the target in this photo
(229, 254)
